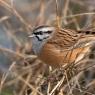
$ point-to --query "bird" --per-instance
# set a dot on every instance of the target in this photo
(58, 47)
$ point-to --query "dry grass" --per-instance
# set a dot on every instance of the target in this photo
(25, 73)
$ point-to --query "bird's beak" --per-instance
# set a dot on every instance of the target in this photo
(31, 36)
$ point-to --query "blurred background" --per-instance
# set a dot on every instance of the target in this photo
(17, 19)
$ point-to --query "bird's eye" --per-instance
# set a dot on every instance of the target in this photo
(38, 33)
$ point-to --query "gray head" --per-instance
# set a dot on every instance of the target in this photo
(40, 35)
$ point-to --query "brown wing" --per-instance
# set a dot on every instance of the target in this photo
(64, 38)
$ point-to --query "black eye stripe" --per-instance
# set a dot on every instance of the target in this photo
(38, 33)
(41, 33)
(48, 32)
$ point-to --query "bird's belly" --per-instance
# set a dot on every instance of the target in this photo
(56, 58)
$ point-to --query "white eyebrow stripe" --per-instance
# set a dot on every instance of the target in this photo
(46, 29)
